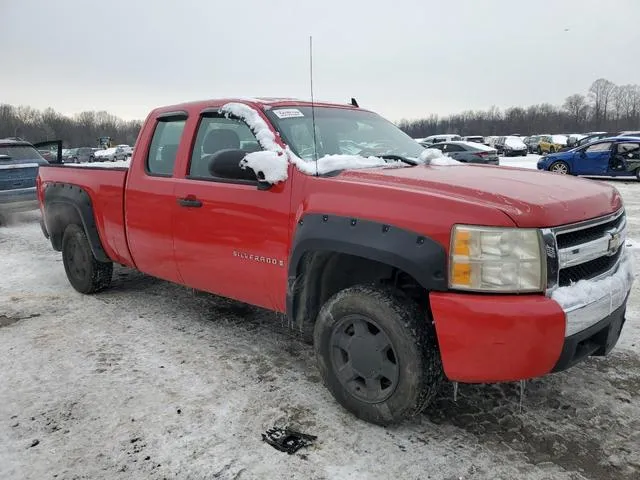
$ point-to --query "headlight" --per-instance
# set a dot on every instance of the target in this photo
(495, 259)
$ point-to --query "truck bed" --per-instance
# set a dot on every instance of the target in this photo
(105, 187)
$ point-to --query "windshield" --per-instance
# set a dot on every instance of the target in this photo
(341, 131)
(20, 152)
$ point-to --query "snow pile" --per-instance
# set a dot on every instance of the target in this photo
(433, 156)
(588, 291)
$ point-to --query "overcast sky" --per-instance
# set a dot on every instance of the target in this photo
(404, 59)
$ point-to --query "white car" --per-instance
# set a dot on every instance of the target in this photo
(447, 137)
(106, 155)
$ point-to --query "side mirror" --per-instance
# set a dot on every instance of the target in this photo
(226, 164)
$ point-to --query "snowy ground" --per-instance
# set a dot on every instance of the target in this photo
(149, 380)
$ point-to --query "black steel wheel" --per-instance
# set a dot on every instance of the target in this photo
(85, 273)
(377, 354)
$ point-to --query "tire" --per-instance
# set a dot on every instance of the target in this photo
(559, 167)
(392, 338)
(638, 174)
(540, 151)
(552, 149)
(75, 160)
(84, 272)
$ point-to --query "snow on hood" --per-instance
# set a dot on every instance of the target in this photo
(515, 142)
(559, 139)
(433, 156)
(103, 153)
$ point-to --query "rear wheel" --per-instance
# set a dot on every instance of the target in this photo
(377, 354)
(559, 167)
(540, 150)
(638, 174)
(552, 149)
(85, 273)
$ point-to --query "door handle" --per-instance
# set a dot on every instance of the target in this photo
(190, 202)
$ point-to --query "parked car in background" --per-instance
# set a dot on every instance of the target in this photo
(448, 137)
(122, 152)
(532, 143)
(511, 146)
(473, 138)
(630, 133)
(468, 152)
(19, 163)
(551, 144)
(490, 141)
(82, 155)
(106, 155)
(612, 157)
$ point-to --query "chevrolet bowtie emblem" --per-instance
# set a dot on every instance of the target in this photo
(615, 240)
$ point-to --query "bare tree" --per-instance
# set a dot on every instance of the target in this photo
(601, 92)
(576, 106)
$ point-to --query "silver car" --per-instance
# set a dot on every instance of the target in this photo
(468, 152)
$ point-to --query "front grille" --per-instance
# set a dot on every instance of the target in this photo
(588, 270)
(577, 237)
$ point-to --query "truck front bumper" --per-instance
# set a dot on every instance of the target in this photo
(499, 338)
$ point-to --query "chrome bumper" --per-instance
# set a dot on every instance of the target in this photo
(587, 302)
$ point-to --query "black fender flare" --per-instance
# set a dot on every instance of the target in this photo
(64, 204)
(417, 255)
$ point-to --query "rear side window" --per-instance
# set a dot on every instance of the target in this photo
(164, 145)
(454, 148)
(217, 133)
(20, 152)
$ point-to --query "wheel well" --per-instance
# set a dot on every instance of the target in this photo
(320, 275)
(58, 217)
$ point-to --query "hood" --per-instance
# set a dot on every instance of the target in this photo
(529, 197)
(566, 155)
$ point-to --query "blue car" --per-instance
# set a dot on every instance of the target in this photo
(19, 162)
(610, 157)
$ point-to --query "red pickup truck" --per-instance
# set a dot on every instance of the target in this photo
(402, 268)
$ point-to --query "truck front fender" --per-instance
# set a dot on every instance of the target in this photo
(419, 256)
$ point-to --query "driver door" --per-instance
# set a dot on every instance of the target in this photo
(593, 160)
(51, 151)
(230, 237)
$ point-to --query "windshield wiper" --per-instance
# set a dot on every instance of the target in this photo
(398, 157)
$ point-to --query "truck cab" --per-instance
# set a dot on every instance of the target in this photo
(401, 266)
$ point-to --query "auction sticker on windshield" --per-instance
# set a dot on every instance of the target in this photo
(288, 113)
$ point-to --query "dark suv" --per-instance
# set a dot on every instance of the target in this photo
(19, 162)
(81, 155)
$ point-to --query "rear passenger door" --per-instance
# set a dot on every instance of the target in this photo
(149, 197)
(230, 237)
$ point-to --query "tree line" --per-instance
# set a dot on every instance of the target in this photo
(605, 107)
(81, 130)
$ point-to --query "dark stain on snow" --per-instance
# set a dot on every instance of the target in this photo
(6, 320)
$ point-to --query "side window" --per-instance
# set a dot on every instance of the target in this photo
(599, 147)
(164, 145)
(454, 148)
(217, 133)
(629, 150)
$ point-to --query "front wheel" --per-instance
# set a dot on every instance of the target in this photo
(377, 354)
(540, 151)
(85, 273)
(552, 149)
(638, 174)
(559, 167)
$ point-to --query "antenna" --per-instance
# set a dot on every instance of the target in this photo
(313, 110)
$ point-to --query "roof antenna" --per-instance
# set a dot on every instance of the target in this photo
(313, 110)
(354, 103)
